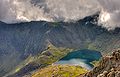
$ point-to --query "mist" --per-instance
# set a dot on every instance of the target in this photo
(13, 11)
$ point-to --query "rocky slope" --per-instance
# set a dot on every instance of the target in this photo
(109, 67)
(19, 41)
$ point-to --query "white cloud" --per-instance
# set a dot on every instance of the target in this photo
(49, 10)
(110, 13)
(12, 11)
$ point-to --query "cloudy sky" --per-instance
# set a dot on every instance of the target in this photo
(12, 11)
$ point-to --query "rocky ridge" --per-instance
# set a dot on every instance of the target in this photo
(108, 67)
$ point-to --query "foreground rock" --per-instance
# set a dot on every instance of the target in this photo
(109, 67)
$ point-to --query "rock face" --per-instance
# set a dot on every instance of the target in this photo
(109, 67)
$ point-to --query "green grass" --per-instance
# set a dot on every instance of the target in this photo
(55, 54)
(60, 71)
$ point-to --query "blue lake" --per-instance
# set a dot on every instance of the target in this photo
(81, 58)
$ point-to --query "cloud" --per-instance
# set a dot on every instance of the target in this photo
(48, 10)
(110, 13)
(13, 11)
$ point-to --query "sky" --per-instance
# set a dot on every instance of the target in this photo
(14, 11)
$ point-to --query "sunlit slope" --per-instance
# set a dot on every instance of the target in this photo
(60, 71)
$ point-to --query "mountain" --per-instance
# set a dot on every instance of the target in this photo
(109, 66)
(49, 56)
(20, 41)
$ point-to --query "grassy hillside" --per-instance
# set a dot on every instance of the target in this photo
(51, 54)
(47, 57)
(60, 71)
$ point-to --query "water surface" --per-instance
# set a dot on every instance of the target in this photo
(81, 57)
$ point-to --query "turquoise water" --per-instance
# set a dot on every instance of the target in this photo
(81, 58)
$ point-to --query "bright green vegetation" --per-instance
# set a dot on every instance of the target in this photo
(51, 55)
(60, 71)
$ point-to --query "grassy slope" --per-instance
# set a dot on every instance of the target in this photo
(51, 54)
(60, 71)
(47, 57)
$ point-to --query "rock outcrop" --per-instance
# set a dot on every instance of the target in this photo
(109, 67)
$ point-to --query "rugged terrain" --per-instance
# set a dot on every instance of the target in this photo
(109, 66)
(19, 42)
